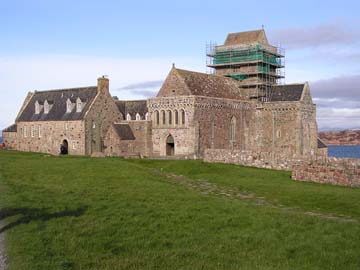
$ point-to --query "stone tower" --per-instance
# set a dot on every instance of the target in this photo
(249, 58)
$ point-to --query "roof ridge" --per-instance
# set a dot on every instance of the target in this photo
(206, 74)
(65, 89)
(257, 30)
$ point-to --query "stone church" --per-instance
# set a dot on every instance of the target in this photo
(241, 104)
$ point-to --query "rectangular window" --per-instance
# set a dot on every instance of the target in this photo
(25, 131)
(32, 131)
(66, 126)
(39, 129)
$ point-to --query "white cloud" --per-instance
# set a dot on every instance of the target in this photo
(326, 34)
(338, 118)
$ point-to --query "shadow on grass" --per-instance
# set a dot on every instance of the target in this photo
(30, 214)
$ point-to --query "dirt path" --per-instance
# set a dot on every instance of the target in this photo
(207, 188)
(2, 254)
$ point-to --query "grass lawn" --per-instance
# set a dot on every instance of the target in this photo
(88, 213)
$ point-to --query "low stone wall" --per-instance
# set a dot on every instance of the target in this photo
(247, 158)
(336, 171)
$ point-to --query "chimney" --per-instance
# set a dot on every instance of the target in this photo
(103, 84)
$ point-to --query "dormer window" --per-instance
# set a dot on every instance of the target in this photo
(69, 106)
(128, 117)
(79, 105)
(46, 107)
(138, 117)
(37, 107)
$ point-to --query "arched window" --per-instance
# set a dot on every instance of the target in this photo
(138, 117)
(147, 116)
(170, 117)
(182, 117)
(176, 117)
(163, 115)
(128, 117)
(233, 129)
(79, 105)
(157, 116)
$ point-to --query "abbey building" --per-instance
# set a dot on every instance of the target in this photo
(240, 105)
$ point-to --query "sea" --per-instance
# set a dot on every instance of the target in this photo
(344, 151)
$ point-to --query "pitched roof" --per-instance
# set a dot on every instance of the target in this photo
(12, 128)
(181, 82)
(124, 131)
(287, 92)
(245, 37)
(321, 144)
(58, 100)
(132, 107)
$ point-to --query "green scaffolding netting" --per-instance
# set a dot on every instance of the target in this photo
(238, 76)
(249, 55)
(264, 69)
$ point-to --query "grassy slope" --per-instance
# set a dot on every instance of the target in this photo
(82, 213)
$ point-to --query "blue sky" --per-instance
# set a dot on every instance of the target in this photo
(55, 44)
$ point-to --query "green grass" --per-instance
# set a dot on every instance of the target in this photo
(84, 213)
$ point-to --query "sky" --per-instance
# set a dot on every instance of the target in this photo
(47, 44)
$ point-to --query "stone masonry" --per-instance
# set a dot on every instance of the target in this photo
(336, 171)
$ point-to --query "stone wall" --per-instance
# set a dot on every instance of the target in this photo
(215, 118)
(287, 129)
(336, 171)
(47, 136)
(265, 160)
(101, 114)
(182, 130)
(10, 140)
(141, 146)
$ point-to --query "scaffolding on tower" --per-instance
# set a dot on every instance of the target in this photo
(257, 67)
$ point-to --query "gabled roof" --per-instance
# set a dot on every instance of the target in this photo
(181, 82)
(12, 128)
(248, 37)
(287, 92)
(124, 131)
(132, 107)
(58, 98)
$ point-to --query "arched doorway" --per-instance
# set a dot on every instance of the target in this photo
(170, 146)
(64, 149)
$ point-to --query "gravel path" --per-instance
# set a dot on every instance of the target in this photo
(2, 254)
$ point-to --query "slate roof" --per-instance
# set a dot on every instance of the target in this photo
(287, 92)
(132, 107)
(321, 144)
(124, 131)
(243, 37)
(199, 84)
(58, 100)
(12, 128)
